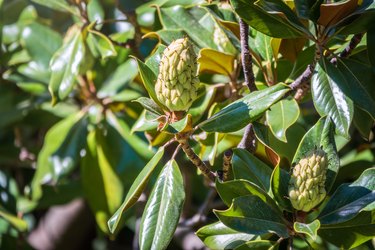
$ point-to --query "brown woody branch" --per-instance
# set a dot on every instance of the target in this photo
(227, 165)
(182, 138)
(247, 59)
(356, 39)
(248, 139)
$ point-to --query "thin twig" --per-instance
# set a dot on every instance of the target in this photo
(182, 138)
(247, 60)
(248, 141)
(227, 165)
(356, 39)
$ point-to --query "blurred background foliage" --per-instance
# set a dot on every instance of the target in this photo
(72, 139)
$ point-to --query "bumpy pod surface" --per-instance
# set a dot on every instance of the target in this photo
(177, 83)
(306, 185)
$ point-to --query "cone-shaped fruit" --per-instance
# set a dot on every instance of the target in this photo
(177, 83)
(306, 185)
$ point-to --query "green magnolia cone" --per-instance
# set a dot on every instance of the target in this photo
(306, 185)
(177, 83)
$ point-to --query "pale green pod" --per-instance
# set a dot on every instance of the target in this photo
(307, 182)
(178, 82)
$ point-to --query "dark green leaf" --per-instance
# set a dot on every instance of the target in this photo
(351, 74)
(139, 145)
(230, 190)
(279, 185)
(259, 245)
(245, 110)
(271, 24)
(330, 100)
(247, 166)
(363, 122)
(135, 191)
(149, 80)
(352, 233)
(308, 9)
(249, 214)
(321, 135)
(218, 236)
(349, 199)
(371, 46)
(163, 209)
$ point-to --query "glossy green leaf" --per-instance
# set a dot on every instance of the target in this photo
(245, 110)
(153, 61)
(321, 135)
(59, 5)
(16, 222)
(276, 6)
(150, 106)
(149, 80)
(53, 140)
(258, 245)
(220, 237)
(349, 199)
(281, 116)
(101, 184)
(271, 24)
(330, 100)
(40, 50)
(249, 214)
(351, 74)
(197, 23)
(310, 229)
(352, 233)
(163, 209)
(139, 145)
(230, 190)
(65, 66)
(279, 185)
(135, 191)
(247, 166)
(143, 124)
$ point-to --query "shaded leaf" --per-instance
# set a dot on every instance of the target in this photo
(259, 245)
(135, 191)
(249, 214)
(349, 199)
(247, 166)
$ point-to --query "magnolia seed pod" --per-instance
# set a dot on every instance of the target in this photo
(177, 84)
(307, 182)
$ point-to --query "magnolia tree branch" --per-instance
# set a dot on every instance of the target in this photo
(183, 138)
(356, 39)
(248, 139)
(247, 59)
